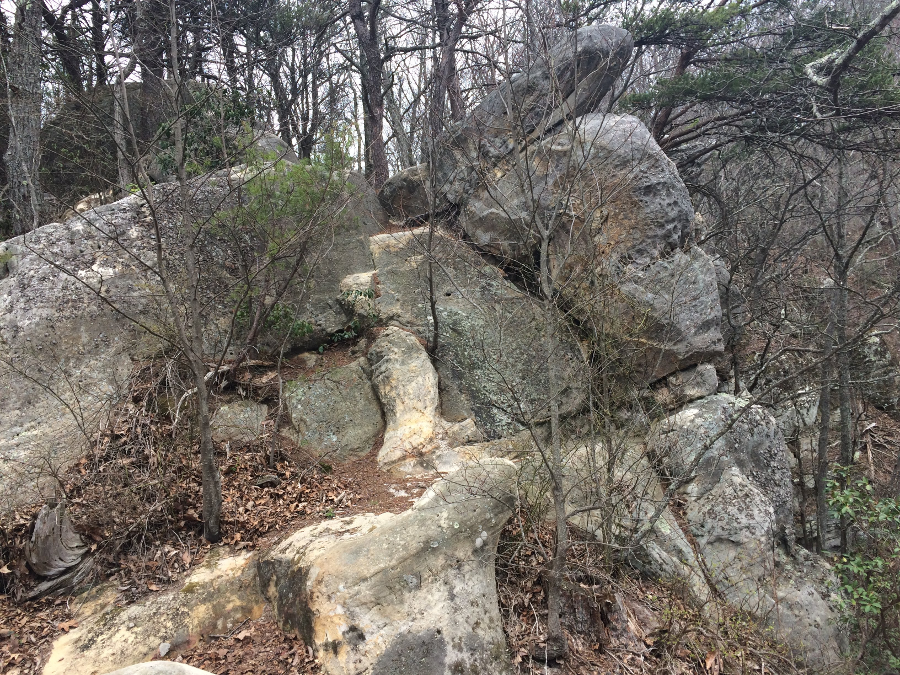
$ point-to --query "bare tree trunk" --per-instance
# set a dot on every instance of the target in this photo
(403, 144)
(149, 48)
(98, 44)
(211, 478)
(371, 66)
(824, 424)
(23, 153)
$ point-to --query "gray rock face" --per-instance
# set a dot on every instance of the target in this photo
(877, 372)
(407, 385)
(335, 414)
(753, 445)
(239, 422)
(620, 194)
(492, 356)
(739, 508)
(567, 82)
(671, 311)
(403, 594)
(404, 194)
(346, 253)
(687, 385)
(65, 354)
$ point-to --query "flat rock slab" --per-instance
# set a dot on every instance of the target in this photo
(215, 598)
(406, 594)
(160, 668)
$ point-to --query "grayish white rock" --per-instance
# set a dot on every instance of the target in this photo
(739, 508)
(239, 421)
(402, 595)
(407, 386)
(335, 414)
(492, 356)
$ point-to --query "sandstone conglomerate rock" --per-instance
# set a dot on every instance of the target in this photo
(335, 414)
(215, 598)
(407, 385)
(739, 508)
(402, 595)
(493, 359)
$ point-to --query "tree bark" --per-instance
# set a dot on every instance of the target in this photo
(149, 48)
(23, 153)
(371, 66)
(824, 428)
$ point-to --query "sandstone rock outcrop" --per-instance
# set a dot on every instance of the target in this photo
(739, 508)
(569, 81)
(406, 594)
(216, 597)
(407, 385)
(79, 302)
(492, 356)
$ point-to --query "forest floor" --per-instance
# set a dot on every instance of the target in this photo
(136, 497)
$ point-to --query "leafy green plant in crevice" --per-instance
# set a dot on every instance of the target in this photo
(281, 222)
(869, 571)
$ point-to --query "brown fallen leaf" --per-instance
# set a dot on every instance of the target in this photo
(153, 587)
(66, 625)
(242, 635)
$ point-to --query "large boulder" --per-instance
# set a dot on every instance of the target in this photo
(335, 413)
(568, 81)
(215, 598)
(407, 594)
(405, 195)
(493, 355)
(407, 385)
(80, 301)
(732, 461)
(620, 194)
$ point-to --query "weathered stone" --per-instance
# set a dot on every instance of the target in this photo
(335, 414)
(687, 385)
(619, 193)
(407, 385)
(404, 194)
(65, 354)
(591, 474)
(622, 214)
(337, 257)
(670, 313)
(409, 594)
(876, 371)
(568, 81)
(358, 296)
(271, 146)
(493, 357)
(160, 668)
(739, 508)
(239, 421)
(215, 598)
(753, 444)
